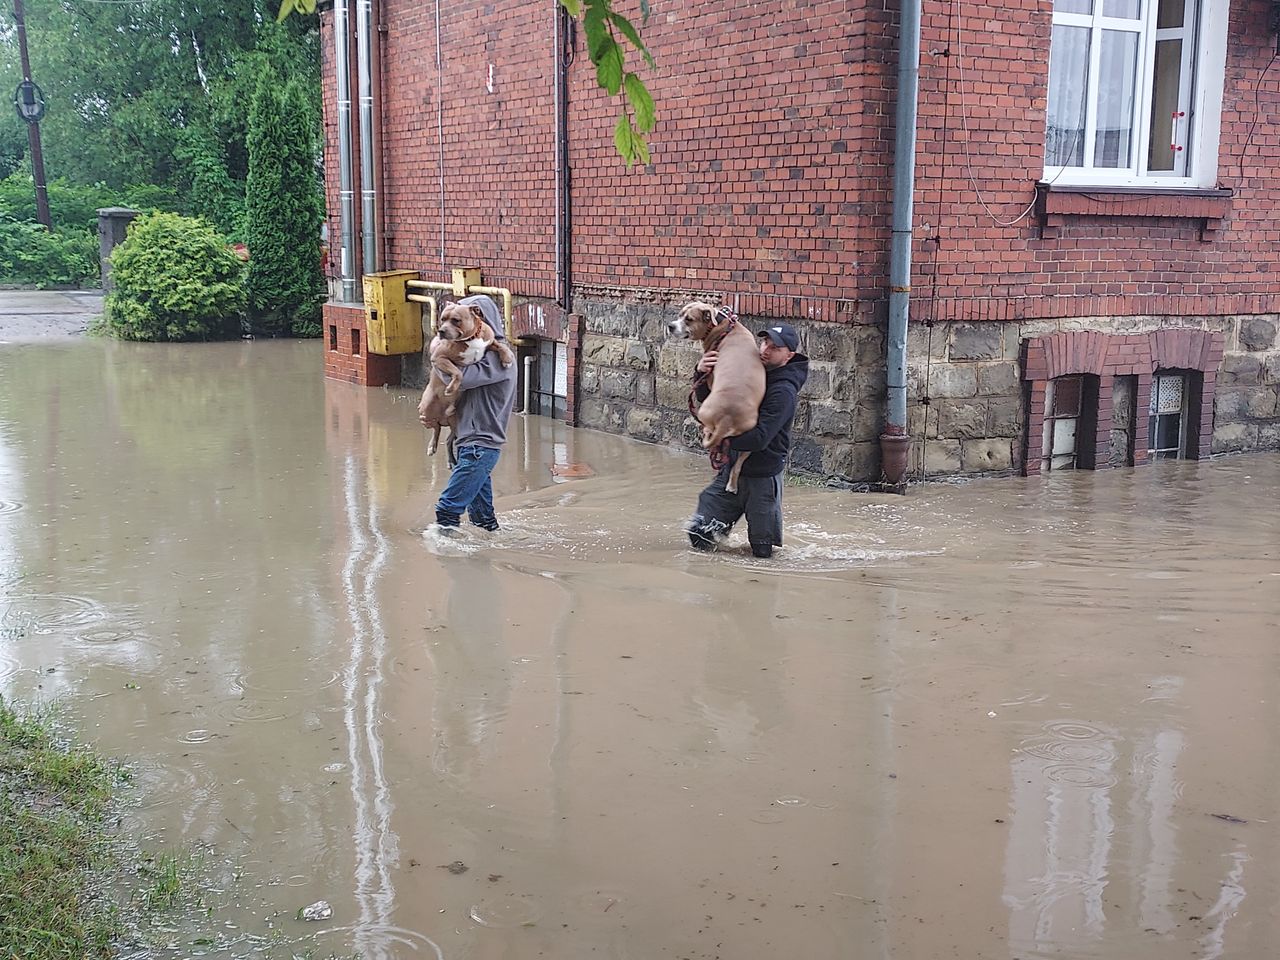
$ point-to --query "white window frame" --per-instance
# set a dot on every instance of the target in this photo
(1204, 72)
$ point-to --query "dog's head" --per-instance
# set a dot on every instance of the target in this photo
(696, 320)
(457, 322)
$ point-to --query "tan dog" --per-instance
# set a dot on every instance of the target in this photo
(462, 337)
(737, 382)
(435, 410)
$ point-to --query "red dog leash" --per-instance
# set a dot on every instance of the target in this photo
(719, 454)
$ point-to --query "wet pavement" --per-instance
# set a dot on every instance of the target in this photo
(27, 315)
(1001, 719)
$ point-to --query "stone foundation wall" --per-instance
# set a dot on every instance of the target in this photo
(635, 381)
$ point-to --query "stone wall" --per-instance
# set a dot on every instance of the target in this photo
(635, 381)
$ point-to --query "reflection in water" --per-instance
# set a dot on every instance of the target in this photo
(983, 720)
(375, 841)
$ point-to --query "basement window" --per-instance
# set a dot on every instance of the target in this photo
(549, 389)
(1062, 423)
(1167, 416)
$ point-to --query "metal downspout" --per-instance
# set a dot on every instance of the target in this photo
(380, 201)
(368, 190)
(894, 443)
(346, 198)
(564, 229)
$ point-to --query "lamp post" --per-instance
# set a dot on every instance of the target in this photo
(29, 102)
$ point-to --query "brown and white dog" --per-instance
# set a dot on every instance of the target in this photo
(737, 381)
(462, 337)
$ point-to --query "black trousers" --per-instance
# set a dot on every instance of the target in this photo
(759, 498)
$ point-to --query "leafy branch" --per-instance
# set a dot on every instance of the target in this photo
(603, 24)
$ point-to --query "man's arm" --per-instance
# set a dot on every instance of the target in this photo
(776, 410)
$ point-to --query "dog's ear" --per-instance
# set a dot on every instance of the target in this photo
(478, 314)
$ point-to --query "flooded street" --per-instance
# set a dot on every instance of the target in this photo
(1003, 719)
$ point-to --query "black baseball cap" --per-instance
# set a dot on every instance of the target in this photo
(783, 334)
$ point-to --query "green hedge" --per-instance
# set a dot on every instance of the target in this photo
(175, 279)
(29, 254)
(74, 205)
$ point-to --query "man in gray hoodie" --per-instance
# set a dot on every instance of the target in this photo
(488, 394)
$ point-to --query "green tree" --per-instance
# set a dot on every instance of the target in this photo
(175, 279)
(283, 212)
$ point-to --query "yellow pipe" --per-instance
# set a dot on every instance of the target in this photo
(492, 291)
(429, 301)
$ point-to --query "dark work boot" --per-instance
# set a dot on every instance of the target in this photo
(762, 551)
(705, 533)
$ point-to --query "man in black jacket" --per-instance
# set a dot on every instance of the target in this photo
(759, 493)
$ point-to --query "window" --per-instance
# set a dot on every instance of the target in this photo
(1135, 92)
(550, 375)
(1062, 423)
(1166, 417)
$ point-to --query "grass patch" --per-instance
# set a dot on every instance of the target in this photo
(53, 803)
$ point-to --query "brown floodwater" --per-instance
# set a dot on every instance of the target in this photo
(1001, 719)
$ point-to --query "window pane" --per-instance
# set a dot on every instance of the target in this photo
(1166, 87)
(1068, 84)
(1123, 9)
(1171, 14)
(1066, 397)
(1064, 437)
(1167, 429)
(1073, 6)
(1117, 82)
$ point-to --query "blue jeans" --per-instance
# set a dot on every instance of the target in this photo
(469, 489)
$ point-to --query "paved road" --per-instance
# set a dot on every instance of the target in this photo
(46, 314)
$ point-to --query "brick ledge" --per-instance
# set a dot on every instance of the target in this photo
(1054, 204)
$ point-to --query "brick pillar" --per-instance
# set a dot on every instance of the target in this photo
(346, 349)
(574, 349)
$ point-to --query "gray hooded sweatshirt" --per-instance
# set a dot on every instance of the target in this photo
(488, 388)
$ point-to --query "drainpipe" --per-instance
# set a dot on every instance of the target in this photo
(895, 445)
(564, 230)
(346, 198)
(368, 191)
(380, 201)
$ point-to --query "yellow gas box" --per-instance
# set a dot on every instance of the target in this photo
(392, 324)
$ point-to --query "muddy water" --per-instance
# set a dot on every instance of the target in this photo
(1000, 719)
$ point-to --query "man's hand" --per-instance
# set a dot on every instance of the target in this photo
(708, 361)
(422, 411)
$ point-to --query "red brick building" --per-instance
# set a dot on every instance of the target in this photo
(1095, 257)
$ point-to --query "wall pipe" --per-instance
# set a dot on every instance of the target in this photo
(895, 445)
(564, 229)
(346, 196)
(368, 191)
(380, 200)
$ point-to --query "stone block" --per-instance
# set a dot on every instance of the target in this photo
(606, 351)
(679, 358)
(1240, 368)
(806, 455)
(985, 456)
(937, 458)
(999, 380)
(1269, 436)
(1256, 403)
(636, 355)
(1004, 417)
(953, 380)
(923, 342)
(821, 376)
(868, 347)
(644, 424)
(589, 379)
(673, 393)
(827, 342)
(620, 384)
(961, 419)
(868, 421)
(1234, 437)
(599, 415)
(1271, 368)
(976, 341)
(852, 461)
(1257, 333)
(644, 390)
(826, 420)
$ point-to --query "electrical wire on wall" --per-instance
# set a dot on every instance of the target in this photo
(440, 130)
